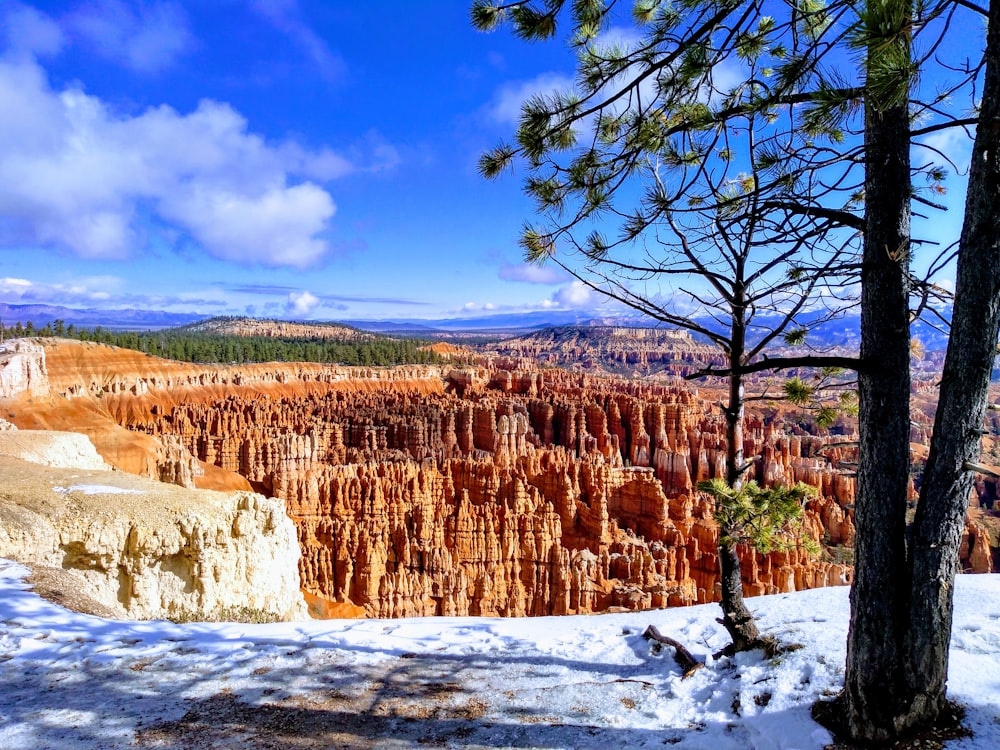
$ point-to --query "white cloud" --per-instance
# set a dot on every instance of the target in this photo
(506, 105)
(301, 304)
(953, 144)
(286, 16)
(532, 273)
(572, 296)
(577, 294)
(276, 227)
(78, 176)
(323, 165)
(625, 37)
(25, 32)
(79, 291)
(146, 37)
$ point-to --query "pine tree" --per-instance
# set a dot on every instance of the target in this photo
(733, 235)
(653, 113)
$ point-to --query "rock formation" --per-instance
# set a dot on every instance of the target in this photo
(497, 490)
(22, 369)
(144, 549)
(280, 329)
(975, 551)
(611, 349)
(493, 489)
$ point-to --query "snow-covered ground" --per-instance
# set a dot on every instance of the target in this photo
(74, 681)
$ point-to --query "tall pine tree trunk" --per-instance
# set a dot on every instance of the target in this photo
(874, 680)
(972, 349)
(736, 618)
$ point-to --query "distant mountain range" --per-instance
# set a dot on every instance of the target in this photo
(842, 332)
(498, 322)
(40, 315)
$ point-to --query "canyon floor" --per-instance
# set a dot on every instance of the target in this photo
(75, 681)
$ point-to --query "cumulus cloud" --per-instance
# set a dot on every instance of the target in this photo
(146, 37)
(9, 284)
(481, 307)
(532, 273)
(506, 105)
(282, 221)
(323, 165)
(25, 32)
(75, 175)
(79, 291)
(949, 146)
(577, 294)
(301, 304)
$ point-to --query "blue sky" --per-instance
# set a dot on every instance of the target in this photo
(282, 158)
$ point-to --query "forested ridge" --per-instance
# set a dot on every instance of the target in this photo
(190, 346)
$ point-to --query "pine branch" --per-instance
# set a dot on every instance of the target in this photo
(781, 363)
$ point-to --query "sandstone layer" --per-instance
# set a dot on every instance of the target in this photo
(499, 490)
(611, 349)
(279, 329)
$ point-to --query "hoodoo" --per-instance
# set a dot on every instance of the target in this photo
(492, 490)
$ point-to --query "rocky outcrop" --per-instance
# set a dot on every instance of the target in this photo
(975, 551)
(611, 349)
(22, 369)
(101, 391)
(498, 489)
(144, 549)
(505, 492)
(67, 450)
(129, 382)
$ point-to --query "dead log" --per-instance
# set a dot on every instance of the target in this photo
(688, 664)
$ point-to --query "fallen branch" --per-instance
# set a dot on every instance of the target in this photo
(688, 664)
(993, 471)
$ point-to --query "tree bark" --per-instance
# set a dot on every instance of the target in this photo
(736, 618)
(874, 680)
(972, 349)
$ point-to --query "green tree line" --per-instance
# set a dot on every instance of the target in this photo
(187, 346)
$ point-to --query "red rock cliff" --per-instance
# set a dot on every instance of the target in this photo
(502, 492)
(421, 490)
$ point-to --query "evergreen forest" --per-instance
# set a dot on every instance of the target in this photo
(209, 348)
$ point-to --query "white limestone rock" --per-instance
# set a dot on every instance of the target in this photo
(22, 369)
(152, 550)
(66, 450)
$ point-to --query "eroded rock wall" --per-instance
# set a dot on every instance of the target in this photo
(22, 369)
(507, 492)
(498, 489)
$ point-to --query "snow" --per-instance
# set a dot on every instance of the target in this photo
(97, 489)
(69, 680)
